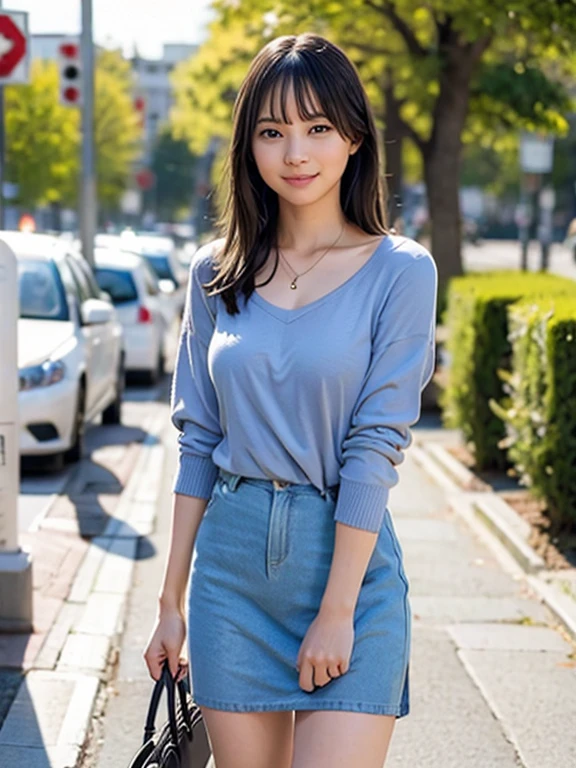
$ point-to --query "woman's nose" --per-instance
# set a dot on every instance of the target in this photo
(295, 153)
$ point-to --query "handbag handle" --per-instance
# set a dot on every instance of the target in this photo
(167, 681)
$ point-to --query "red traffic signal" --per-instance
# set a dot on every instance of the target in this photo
(69, 65)
(145, 179)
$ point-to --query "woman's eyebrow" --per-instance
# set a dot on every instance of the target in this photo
(315, 116)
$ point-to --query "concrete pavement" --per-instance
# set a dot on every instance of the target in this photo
(83, 548)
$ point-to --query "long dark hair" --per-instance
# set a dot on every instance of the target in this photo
(314, 67)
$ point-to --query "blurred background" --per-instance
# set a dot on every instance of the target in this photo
(115, 120)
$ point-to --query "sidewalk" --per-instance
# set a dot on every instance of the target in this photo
(83, 557)
(493, 675)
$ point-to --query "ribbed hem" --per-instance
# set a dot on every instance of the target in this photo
(195, 476)
(361, 505)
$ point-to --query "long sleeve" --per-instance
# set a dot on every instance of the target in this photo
(402, 363)
(193, 401)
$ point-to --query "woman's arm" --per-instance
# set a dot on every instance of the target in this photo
(194, 412)
(169, 631)
(187, 513)
(401, 364)
(353, 549)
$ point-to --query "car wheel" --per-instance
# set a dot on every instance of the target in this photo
(74, 453)
(113, 413)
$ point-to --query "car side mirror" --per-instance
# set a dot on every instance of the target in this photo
(96, 311)
(166, 286)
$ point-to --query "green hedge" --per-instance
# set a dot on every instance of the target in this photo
(539, 411)
(476, 320)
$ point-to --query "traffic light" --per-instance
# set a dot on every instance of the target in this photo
(140, 107)
(70, 69)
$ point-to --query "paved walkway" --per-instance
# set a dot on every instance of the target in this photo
(493, 681)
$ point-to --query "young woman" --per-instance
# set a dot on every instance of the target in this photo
(307, 340)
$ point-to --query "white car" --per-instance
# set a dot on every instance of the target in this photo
(160, 253)
(70, 348)
(140, 306)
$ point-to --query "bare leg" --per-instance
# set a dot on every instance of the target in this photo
(334, 739)
(250, 739)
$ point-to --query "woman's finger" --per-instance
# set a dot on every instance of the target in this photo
(306, 678)
(154, 662)
(182, 670)
(333, 671)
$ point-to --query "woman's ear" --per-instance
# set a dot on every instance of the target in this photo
(355, 146)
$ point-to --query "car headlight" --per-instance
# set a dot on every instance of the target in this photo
(49, 372)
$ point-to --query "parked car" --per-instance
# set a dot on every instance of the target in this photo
(162, 256)
(160, 253)
(70, 348)
(141, 308)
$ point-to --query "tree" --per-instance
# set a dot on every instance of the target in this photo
(173, 165)
(445, 73)
(42, 138)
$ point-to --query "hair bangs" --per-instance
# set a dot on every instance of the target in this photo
(313, 95)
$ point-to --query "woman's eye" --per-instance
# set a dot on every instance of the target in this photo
(268, 131)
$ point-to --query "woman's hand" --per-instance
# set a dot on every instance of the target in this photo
(166, 642)
(325, 651)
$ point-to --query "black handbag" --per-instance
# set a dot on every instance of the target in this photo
(182, 742)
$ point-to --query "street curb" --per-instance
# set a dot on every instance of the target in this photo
(503, 530)
(73, 661)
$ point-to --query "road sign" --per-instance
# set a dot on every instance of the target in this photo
(14, 48)
(145, 179)
(536, 153)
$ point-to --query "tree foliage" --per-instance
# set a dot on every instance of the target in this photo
(173, 165)
(43, 137)
(452, 72)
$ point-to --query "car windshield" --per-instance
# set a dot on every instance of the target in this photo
(118, 283)
(40, 289)
(161, 266)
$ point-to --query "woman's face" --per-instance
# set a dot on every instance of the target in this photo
(298, 149)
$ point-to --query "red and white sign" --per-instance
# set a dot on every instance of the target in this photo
(14, 48)
(145, 179)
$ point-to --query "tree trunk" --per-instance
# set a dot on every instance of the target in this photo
(442, 175)
(442, 156)
(393, 136)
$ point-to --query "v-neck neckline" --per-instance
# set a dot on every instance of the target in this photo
(287, 315)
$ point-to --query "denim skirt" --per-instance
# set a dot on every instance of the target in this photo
(260, 566)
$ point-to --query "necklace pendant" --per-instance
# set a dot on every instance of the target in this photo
(293, 284)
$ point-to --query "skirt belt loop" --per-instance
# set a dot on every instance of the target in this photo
(230, 479)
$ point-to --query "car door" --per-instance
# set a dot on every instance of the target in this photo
(85, 332)
(112, 335)
(95, 336)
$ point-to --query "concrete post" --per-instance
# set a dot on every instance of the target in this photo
(15, 564)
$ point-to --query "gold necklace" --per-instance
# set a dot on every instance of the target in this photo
(293, 283)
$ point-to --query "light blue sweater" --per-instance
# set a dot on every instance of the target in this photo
(323, 394)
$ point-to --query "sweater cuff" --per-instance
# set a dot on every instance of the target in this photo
(195, 476)
(361, 505)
